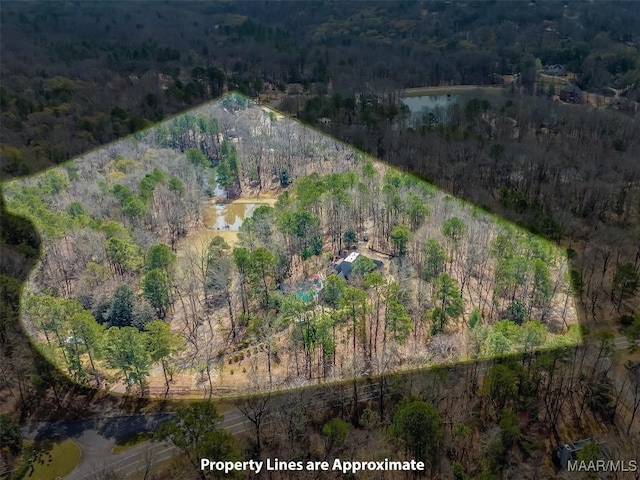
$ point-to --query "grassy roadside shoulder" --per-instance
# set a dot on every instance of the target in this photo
(44, 460)
(131, 441)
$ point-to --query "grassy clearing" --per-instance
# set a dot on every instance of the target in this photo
(46, 460)
(131, 440)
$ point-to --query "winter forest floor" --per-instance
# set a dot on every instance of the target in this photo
(454, 283)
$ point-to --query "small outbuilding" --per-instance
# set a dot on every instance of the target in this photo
(571, 94)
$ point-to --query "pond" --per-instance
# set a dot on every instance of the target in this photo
(436, 104)
(227, 216)
(429, 102)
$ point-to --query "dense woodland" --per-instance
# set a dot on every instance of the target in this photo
(568, 176)
(511, 421)
(252, 48)
(66, 88)
(118, 258)
(567, 172)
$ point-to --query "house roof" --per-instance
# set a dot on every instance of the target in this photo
(344, 266)
(352, 257)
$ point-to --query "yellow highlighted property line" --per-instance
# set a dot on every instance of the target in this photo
(317, 156)
(254, 200)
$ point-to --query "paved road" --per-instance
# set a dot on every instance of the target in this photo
(234, 421)
(132, 460)
(97, 436)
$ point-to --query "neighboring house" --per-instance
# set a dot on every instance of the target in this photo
(571, 94)
(568, 452)
(555, 70)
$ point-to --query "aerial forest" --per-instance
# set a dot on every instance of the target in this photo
(412, 233)
(345, 266)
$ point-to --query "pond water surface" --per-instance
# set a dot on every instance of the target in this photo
(227, 216)
(437, 104)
